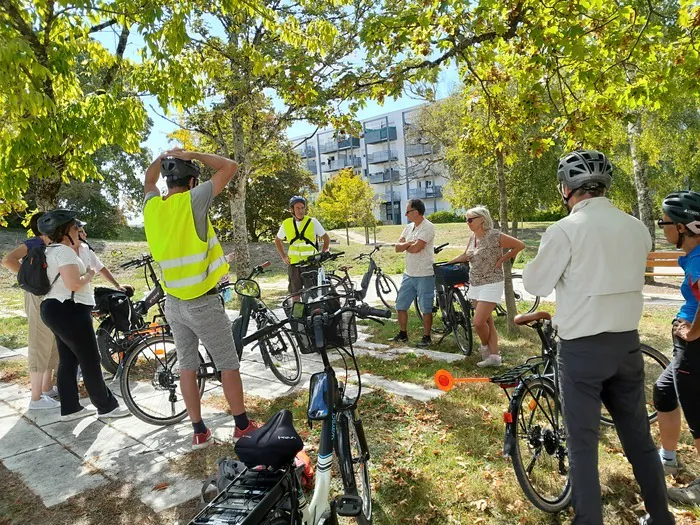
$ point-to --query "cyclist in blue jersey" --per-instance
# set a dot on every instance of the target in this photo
(680, 382)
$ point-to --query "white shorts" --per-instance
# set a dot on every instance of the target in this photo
(491, 293)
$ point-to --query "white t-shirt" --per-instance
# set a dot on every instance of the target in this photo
(318, 229)
(420, 264)
(89, 258)
(57, 256)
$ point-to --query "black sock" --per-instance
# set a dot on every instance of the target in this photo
(199, 427)
(241, 420)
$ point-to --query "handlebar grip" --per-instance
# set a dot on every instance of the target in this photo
(265, 264)
(338, 254)
(379, 312)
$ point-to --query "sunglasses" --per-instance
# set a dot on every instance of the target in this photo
(470, 219)
(661, 223)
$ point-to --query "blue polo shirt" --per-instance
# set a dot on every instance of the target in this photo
(690, 289)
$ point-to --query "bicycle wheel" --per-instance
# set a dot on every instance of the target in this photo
(281, 353)
(386, 290)
(353, 462)
(150, 382)
(540, 460)
(339, 286)
(525, 303)
(107, 344)
(460, 321)
(654, 363)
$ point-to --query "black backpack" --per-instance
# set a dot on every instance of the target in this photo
(32, 276)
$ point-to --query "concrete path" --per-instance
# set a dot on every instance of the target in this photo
(58, 460)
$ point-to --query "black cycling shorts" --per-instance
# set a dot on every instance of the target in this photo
(680, 383)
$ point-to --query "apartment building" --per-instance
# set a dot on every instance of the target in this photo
(398, 168)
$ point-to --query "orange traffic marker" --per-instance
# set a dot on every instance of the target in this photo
(445, 382)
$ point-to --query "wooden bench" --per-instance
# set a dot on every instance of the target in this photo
(664, 259)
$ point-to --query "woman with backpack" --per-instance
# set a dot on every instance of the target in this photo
(67, 311)
(42, 354)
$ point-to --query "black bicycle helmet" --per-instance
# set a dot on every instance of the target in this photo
(173, 169)
(683, 207)
(51, 220)
(295, 199)
(585, 168)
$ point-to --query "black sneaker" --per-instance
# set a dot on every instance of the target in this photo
(425, 342)
(399, 338)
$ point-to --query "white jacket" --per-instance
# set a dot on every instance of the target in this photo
(595, 260)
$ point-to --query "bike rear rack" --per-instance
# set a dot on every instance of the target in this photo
(512, 377)
(248, 498)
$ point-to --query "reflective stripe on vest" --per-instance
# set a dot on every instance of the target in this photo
(191, 267)
(299, 250)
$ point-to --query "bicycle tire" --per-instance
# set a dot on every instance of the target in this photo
(525, 303)
(654, 363)
(340, 286)
(460, 322)
(162, 374)
(106, 335)
(545, 444)
(275, 346)
(385, 287)
(350, 455)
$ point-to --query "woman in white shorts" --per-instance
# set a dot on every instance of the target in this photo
(485, 255)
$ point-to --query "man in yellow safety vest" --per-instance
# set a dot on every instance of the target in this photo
(301, 233)
(182, 240)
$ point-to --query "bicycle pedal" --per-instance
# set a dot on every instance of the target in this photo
(348, 505)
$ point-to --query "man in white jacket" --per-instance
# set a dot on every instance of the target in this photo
(595, 260)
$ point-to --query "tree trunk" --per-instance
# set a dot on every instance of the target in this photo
(237, 191)
(503, 216)
(641, 182)
(514, 230)
(347, 233)
(46, 193)
(366, 234)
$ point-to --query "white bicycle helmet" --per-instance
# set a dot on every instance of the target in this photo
(584, 168)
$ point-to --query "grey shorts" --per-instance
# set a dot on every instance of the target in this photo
(202, 319)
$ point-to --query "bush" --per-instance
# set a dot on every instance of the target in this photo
(444, 216)
(551, 215)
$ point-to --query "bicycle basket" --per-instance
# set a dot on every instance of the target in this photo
(339, 333)
(297, 326)
(451, 274)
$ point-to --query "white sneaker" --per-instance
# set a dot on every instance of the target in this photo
(484, 351)
(671, 467)
(83, 412)
(491, 360)
(44, 403)
(53, 393)
(117, 412)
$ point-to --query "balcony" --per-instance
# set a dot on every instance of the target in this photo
(386, 196)
(343, 162)
(339, 145)
(372, 136)
(307, 152)
(384, 176)
(381, 156)
(415, 150)
(311, 166)
(431, 192)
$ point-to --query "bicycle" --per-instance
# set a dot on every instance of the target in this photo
(535, 433)
(112, 340)
(268, 496)
(524, 302)
(280, 353)
(315, 281)
(384, 285)
(455, 309)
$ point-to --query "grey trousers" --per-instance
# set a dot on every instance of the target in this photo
(608, 368)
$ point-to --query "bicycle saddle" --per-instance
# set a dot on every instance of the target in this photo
(274, 444)
(344, 268)
(534, 316)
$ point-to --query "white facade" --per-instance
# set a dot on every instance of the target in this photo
(397, 169)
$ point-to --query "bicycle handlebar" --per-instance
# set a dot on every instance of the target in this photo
(137, 263)
(363, 255)
(438, 249)
(320, 257)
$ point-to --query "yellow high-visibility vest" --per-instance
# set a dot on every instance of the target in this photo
(191, 267)
(300, 249)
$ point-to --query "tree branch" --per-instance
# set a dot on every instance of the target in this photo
(103, 25)
(121, 47)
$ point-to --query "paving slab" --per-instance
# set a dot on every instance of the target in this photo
(7, 353)
(8, 410)
(17, 435)
(402, 389)
(89, 437)
(54, 474)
